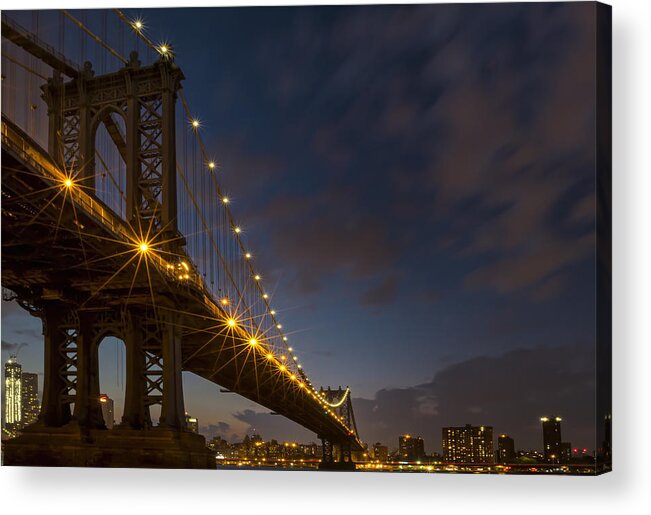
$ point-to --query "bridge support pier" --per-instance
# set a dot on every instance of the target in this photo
(336, 456)
(55, 410)
(59, 438)
(136, 409)
(172, 410)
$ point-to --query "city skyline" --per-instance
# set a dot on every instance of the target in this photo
(408, 447)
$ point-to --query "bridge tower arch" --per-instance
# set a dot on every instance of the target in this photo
(145, 96)
(109, 125)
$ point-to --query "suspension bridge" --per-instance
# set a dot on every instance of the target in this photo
(114, 224)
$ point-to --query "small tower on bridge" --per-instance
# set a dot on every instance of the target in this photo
(338, 455)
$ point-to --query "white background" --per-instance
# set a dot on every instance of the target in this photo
(627, 490)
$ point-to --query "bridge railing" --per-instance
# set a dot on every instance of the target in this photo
(32, 154)
(16, 33)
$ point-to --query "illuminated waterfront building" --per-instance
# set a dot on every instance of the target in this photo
(380, 452)
(411, 448)
(274, 450)
(13, 395)
(468, 444)
(505, 449)
(551, 427)
(192, 423)
(107, 410)
(218, 444)
(309, 451)
(565, 455)
(30, 406)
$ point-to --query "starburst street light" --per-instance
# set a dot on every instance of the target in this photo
(68, 183)
(143, 247)
(231, 322)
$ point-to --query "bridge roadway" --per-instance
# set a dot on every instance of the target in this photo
(66, 247)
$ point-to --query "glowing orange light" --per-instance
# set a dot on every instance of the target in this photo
(282, 368)
(225, 200)
(144, 247)
(225, 301)
(211, 165)
(253, 342)
(257, 277)
(231, 322)
(238, 230)
(265, 296)
(270, 356)
(68, 183)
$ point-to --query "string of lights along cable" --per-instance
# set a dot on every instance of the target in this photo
(215, 257)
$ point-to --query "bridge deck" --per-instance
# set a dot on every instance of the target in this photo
(63, 242)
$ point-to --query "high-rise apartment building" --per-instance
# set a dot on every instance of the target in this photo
(468, 444)
(29, 398)
(551, 427)
(380, 452)
(13, 395)
(192, 423)
(411, 448)
(107, 410)
(505, 449)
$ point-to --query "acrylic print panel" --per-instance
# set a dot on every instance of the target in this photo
(357, 238)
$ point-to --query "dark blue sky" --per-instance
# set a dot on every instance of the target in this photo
(417, 183)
